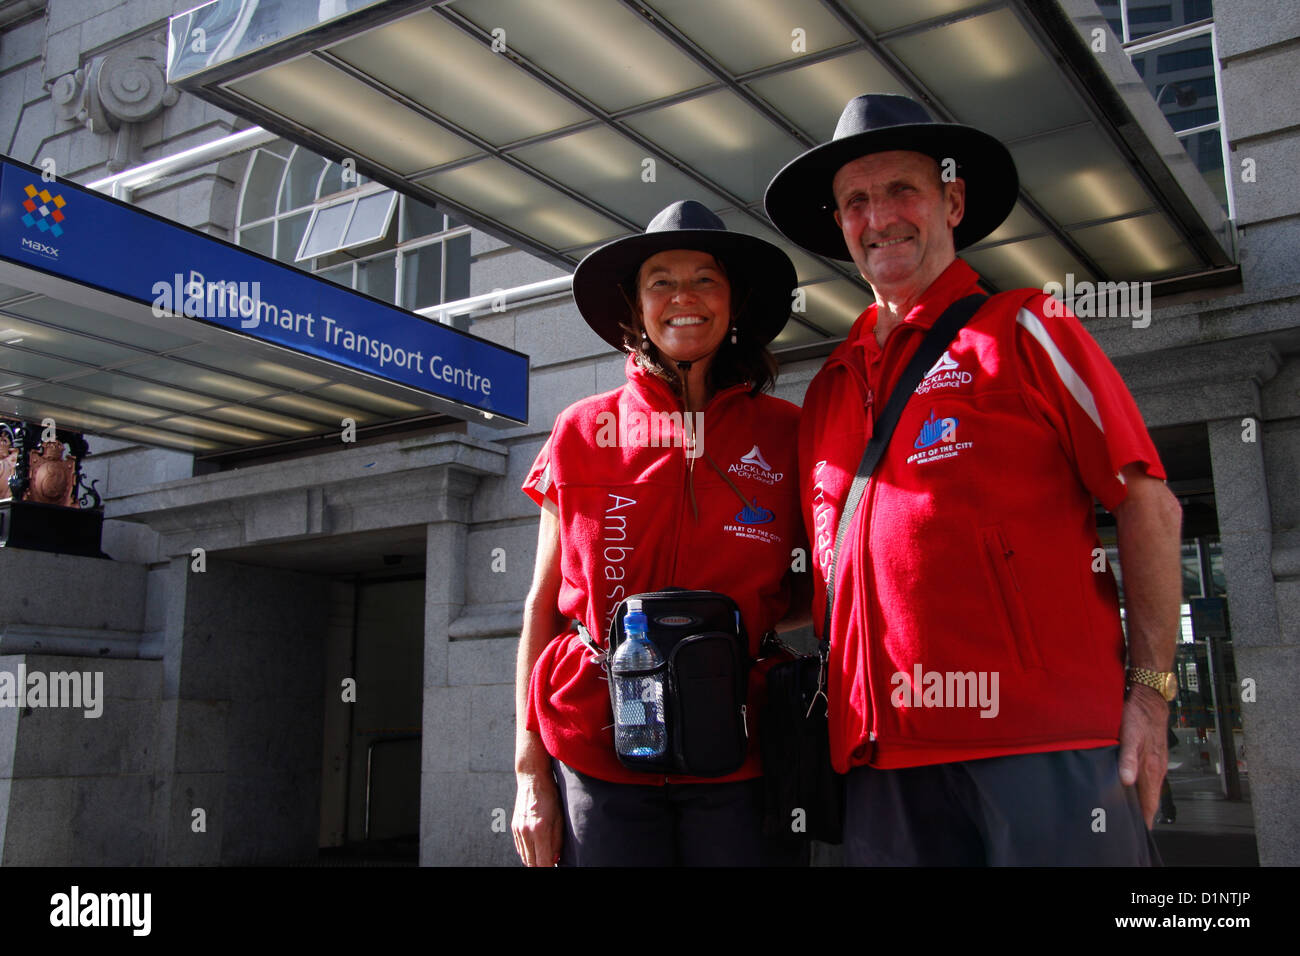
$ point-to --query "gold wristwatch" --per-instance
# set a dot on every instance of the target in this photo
(1165, 683)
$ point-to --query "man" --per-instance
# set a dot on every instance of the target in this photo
(979, 699)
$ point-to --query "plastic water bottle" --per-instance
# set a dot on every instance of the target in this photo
(638, 698)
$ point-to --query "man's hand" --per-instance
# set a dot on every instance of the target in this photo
(538, 823)
(1144, 746)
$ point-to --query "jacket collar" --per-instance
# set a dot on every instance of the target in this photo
(955, 282)
(654, 393)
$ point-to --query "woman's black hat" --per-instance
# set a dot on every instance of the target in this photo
(756, 269)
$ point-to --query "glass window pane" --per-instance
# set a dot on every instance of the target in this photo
(378, 277)
(1206, 150)
(371, 219)
(341, 275)
(457, 269)
(262, 185)
(289, 232)
(326, 232)
(1146, 17)
(422, 277)
(258, 238)
(300, 183)
(1180, 77)
(419, 219)
(332, 181)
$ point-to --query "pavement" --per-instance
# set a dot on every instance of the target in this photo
(1208, 830)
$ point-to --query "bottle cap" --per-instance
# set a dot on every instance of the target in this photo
(633, 604)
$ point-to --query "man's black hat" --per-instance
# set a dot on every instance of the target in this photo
(801, 205)
(759, 272)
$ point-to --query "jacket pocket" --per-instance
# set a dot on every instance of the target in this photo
(1002, 562)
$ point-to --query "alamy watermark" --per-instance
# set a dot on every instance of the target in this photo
(1128, 300)
(636, 429)
(924, 688)
(72, 689)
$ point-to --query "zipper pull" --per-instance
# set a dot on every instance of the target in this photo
(744, 720)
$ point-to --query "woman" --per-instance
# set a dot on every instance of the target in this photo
(628, 508)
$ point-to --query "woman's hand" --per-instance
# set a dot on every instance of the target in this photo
(538, 823)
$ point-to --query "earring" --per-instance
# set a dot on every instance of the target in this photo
(733, 335)
(644, 338)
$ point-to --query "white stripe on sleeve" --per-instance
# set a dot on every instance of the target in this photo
(1069, 377)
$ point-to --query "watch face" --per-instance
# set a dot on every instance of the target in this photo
(1171, 686)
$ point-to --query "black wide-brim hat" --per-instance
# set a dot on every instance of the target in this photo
(761, 273)
(799, 200)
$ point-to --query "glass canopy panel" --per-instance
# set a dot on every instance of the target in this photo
(882, 15)
(979, 67)
(317, 409)
(743, 35)
(133, 389)
(1017, 225)
(723, 138)
(8, 292)
(812, 97)
(1145, 247)
(1077, 176)
(61, 344)
(1029, 263)
(499, 191)
(836, 305)
(155, 436)
(329, 102)
(373, 401)
(435, 64)
(262, 419)
(76, 319)
(623, 62)
(17, 407)
(258, 368)
(76, 398)
(29, 365)
(190, 425)
(200, 379)
(796, 333)
(608, 168)
(807, 268)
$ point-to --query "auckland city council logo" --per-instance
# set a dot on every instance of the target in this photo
(753, 465)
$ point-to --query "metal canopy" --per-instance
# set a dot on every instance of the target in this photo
(561, 125)
(104, 328)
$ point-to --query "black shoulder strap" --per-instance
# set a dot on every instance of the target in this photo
(936, 340)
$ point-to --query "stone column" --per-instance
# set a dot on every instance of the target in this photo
(1245, 530)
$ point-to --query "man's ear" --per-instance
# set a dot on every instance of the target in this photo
(836, 214)
(954, 194)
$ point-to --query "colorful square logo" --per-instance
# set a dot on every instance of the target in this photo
(43, 210)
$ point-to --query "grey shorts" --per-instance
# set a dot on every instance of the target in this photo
(677, 824)
(1065, 808)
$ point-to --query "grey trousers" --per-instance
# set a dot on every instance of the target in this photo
(1065, 808)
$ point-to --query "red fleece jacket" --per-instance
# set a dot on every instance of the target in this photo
(970, 619)
(627, 526)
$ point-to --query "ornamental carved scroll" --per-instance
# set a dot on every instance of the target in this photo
(115, 93)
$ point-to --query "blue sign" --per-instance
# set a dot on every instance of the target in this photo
(179, 273)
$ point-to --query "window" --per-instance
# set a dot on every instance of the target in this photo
(302, 209)
(1179, 64)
